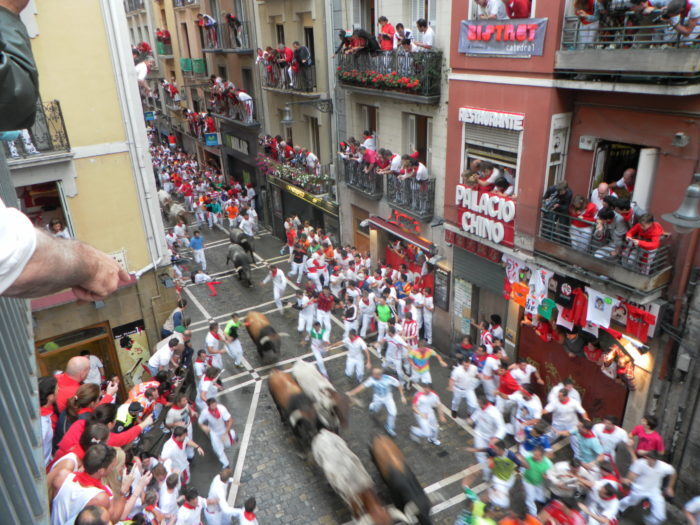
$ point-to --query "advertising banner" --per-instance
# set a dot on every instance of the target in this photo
(515, 37)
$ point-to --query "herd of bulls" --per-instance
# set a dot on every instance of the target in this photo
(316, 412)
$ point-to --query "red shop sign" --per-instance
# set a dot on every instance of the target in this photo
(486, 215)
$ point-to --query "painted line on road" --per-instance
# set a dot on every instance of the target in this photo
(199, 306)
(248, 430)
(224, 316)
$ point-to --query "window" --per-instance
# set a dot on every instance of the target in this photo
(422, 9)
(247, 76)
(309, 42)
(43, 203)
(558, 147)
(368, 120)
(222, 72)
(364, 15)
(475, 11)
(498, 147)
(418, 137)
(185, 49)
(315, 135)
(279, 30)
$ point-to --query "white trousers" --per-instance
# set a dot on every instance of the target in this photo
(235, 351)
(423, 378)
(469, 396)
(355, 366)
(220, 443)
(298, 270)
(426, 427)
(318, 354)
(428, 328)
(500, 491)
(315, 278)
(534, 493)
(365, 323)
(397, 364)
(656, 500)
(489, 389)
(277, 294)
(325, 319)
(387, 402)
(305, 323)
(200, 258)
(481, 457)
(381, 330)
(349, 325)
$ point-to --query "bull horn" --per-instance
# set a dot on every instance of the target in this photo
(237, 268)
(411, 511)
(399, 516)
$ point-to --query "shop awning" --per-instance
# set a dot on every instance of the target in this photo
(396, 230)
(66, 297)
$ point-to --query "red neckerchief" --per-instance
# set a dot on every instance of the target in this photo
(188, 506)
(199, 360)
(606, 431)
(366, 301)
(46, 411)
(216, 413)
(354, 338)
(608, 498)
(273, 272)
(250, 516)
(611, 477)
(487, 405)
(150, 508)
(587, 435)
(565, 402)
(180, 445)
(86, 480)
(85, 410)
(216, 335)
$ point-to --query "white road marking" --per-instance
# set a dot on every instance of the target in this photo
(199, 306)
(247, 431)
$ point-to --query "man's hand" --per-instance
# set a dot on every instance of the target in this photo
(147, 422)
(104, 275)
(15, 6)
(112, 388)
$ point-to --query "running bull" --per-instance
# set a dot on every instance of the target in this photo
(238, 237)
(331, 406)
(241, 262)
(265, 337)
(295, 407)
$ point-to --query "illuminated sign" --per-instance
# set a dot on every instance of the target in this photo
(212, 139)
(494, 119)
(327, 206)
(522, 37)
(149, 116)
(486, 215)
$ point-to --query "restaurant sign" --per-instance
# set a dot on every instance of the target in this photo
(515, 37)
(486, 215)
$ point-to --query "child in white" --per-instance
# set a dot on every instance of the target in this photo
(320, 338)
(216, 421)
(279, 283)
(463, 382)
(424, 406)
(382, 385)
(355, 363)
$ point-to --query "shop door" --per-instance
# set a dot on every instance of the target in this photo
(360, 234)
(53, 354)
(601, 395)
(488, 303)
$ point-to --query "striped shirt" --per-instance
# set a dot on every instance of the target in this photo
(410, 331)
(420, 359)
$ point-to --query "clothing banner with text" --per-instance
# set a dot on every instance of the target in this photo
(515, 37)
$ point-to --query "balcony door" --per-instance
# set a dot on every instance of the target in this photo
(422, 9)
(364, 15)
(368, 120)
(419, 130)
(185, 49)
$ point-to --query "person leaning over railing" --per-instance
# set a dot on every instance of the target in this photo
(682, 16)
(643, 239)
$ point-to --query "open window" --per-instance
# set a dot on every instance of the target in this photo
(497, 9)
(45, 206)
(497, 150)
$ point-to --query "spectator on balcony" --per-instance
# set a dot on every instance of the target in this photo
(246, 102)
(27, 143)
(555, 203)
(286, 152)
(285, 57)
(386, 34)
(302, 56)
(234, 25)
(487, 176)
(626, 183)
(142, 69)
(57, 228)
(588, 12)
(209, 26)
(503, 187)
(489, 10)
(369, 158)
(518, 8)
(598, 195)
(583, 214)
(368, 140)
(609, 234)
(683, 17)
(393, 163)
(407, 46)
(645, 235)
(401, 34)
(425, 39)
(311, 162)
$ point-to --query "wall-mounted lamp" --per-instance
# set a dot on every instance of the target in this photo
(687, 217)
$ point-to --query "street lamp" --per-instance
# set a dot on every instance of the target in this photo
(287, 119)
(687, 217)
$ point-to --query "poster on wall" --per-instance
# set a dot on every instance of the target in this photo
(518, 37)
(441, 294)
(463, 306)
(131, 344)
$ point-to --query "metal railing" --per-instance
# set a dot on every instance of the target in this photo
(273, 76)
(417, 73)
(185, 3)
(317, 182)
(134, 5)
(173, 102)
(415, 196)
(227, 35)
(627, 33)
(47, 135)
(164, 49)
(558, 229)
(228, 106)
(193, 67)
(370, 183)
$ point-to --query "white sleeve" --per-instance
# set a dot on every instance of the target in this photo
(225, 414)
(17, 244)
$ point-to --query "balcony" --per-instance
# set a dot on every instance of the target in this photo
(45, 141)
(164, 50)
(410, 77)
(228, 37)
(303, 81)
(226, 106)
(370, 184)
(185, 3)
(319, 183)
(193, 67)
(626, 53)
(132, 6)
(413, 197)
(643, 270)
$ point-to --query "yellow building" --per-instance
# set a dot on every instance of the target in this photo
(86, 162)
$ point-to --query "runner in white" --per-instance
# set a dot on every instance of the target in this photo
(382, 385)
(367, 308)
(396, 352)
(425, 404)
(279, 283)
(217, 423)
(214, 342)
(646, 475)
(463, 382)
(610, 435)
(488, 424)
(356, 362)
(320, 337)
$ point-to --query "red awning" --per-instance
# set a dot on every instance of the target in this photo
(66, 297)
(383, 224)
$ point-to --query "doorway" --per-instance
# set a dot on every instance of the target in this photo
(360, 235)
(368, 119)
(418, 137)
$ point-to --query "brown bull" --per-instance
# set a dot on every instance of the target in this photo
(295, 407)
(406, 492)
(265, 337)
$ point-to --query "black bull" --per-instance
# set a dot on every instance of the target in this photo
(265, 337)
(241, 263)
(295, 407)
(238, 237)
(404, 488)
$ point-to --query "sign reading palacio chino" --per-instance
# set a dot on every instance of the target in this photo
(515, 37)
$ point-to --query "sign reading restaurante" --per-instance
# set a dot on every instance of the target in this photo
(517, 37)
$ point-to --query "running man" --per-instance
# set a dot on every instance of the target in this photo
(279, 283)
(419, 358)
(320, 337)
(232, 342)
(425, 404)
(382, 385)
(356, 362)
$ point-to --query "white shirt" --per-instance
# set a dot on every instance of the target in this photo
(17, 244)
(428, 37)
(396, 162)
(491, 364)
(426, 402)
(94, 375)
(370, 143)
(141, 70)
(246, 225)
(564, 416)
(421, 172)
(595, 198)
(599, 506)
(493, 7)
(428, 306)
(465, 379)
(649, 478)
(395, 347)
(209, 387)
(497, 333)
(218, 490)
(526, 409)
(554, 393)
(180, 230)
(693, 506)
(177, 456)
(488, 423)
(609, 440)
(216, 425)
(161, 358)
(355, 347)
(279, 281)
(167, 501)
(47, 437)
(523, 377)
(187, 516)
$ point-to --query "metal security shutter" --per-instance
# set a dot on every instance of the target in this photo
(22, 483)
(488, 137)
(478, 271)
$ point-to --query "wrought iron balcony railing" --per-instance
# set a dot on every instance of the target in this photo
(228, 34)
(164, 49)
(415, 197)
(47, 136)
(393, 71)
(228, 106)
(274, 76)
(193, 67)
(185, 3)
(596, 247)
(370, 183)
(134, 5)
(319, 182)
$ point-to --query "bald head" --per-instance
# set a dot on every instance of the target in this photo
(78, 368)
(603, 189)
(93, 515)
